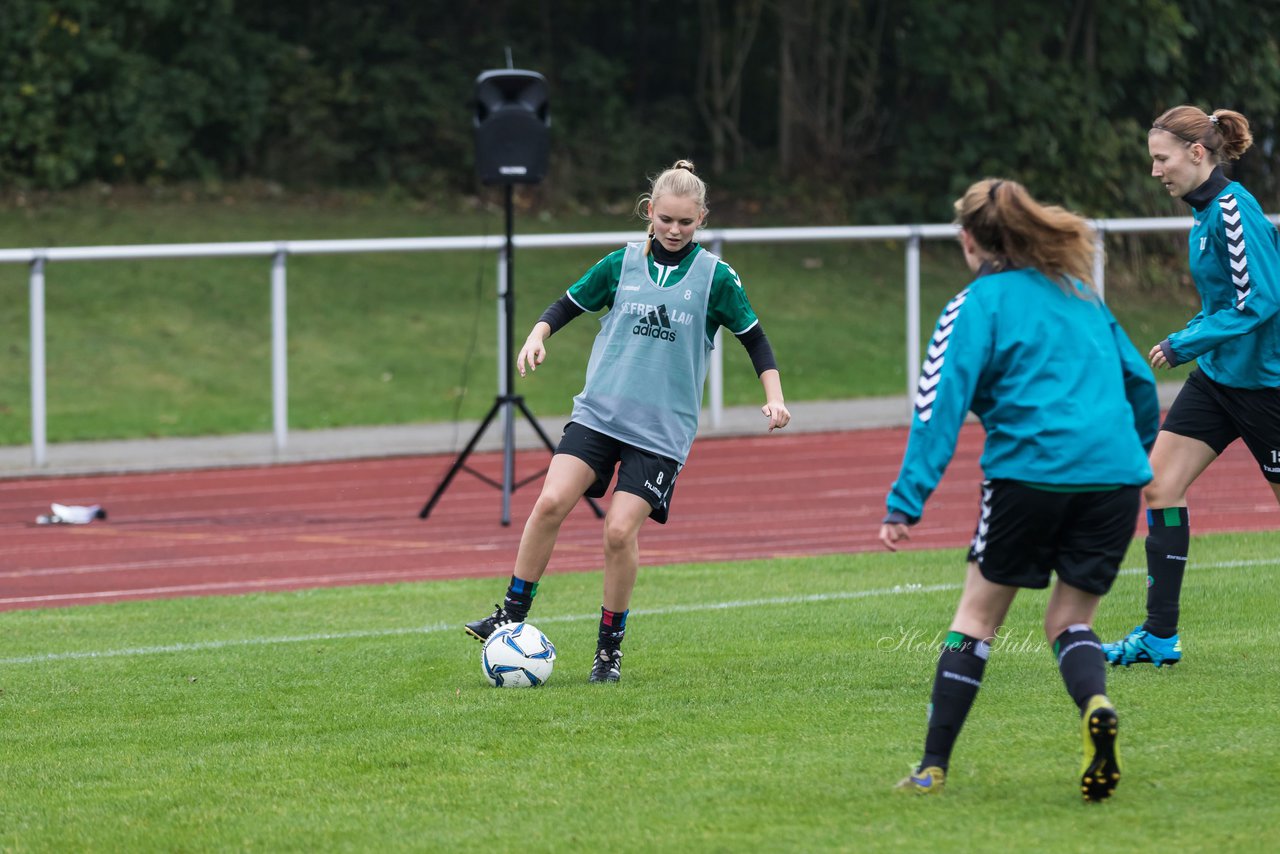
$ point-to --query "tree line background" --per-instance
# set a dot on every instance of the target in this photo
(861, 110)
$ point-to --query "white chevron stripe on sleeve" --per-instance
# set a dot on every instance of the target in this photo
(1238, 258)
(931, 370)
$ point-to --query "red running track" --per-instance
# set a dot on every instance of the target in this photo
(229, 531)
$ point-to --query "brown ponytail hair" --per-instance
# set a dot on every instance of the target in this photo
(1005, 221)
(1224, 133)
(679, 179)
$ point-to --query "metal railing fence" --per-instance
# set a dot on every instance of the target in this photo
(279, 252)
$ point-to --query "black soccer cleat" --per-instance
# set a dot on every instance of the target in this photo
(607, 667)
(481, 629)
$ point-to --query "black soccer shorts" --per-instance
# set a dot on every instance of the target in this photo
(1024, 534)
(642, 473)
(1217, 415)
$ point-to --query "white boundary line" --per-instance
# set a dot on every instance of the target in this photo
(243, 588)
(896, 590)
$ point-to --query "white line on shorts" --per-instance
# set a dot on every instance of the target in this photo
(200, 646)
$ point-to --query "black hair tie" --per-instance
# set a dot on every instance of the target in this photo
(1187, 139)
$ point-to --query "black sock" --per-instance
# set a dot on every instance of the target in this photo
(1168, 540)
(613, 625)
(519, 599)
(1082, 663)
(955, 686)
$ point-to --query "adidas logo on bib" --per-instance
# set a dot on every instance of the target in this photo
(655, 324)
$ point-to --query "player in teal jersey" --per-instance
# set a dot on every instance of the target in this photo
(1070, 409)
(1235, 391)
(638, 411)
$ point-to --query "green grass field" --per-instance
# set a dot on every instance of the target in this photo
(182, 347)
(765, 706)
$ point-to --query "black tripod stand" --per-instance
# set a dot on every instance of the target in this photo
(505, 402)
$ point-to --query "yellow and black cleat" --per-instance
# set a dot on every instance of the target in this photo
(926, 781)
(1099, 727)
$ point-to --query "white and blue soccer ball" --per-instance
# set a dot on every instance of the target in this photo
(517, 656)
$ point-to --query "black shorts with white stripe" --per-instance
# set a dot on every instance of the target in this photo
(640, 472)
(1218, 415)
(1025, 533)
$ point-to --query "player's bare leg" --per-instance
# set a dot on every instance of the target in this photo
(567, 479)
(983, 605)
(626, 514)
(1176, 462)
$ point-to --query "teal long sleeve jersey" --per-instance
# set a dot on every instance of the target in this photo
(1065, 398)
(1234, 254)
